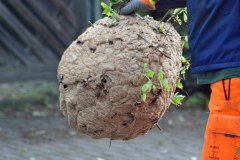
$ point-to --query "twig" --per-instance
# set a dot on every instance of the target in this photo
(110, 143)
(185, 92)
(166, 14)
(154, 47)
(159, 127)
(90, 24)
(173, 15)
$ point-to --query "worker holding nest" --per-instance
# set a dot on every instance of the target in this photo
(214, 40)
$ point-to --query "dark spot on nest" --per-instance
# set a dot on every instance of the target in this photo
(103, 80)
(125, 124)
(156, 95)
(131, 117)
(84, 126)
(159, 92)
(110, 41)
(114, 115)
(131, 84)
(97, 94)
(93, 49)
(79, 42)
(129, 121)
(153, 101)
(89, 77)
(65, 86)
(137, 103)
(155, 120)
(105, 91)
(98, 131)
(72, 107)
(100, 86)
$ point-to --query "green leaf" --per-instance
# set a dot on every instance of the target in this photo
(177, 11)
(179, 20)
(150, 73)
(160, 74)
(184, 60)
(183, 44)
(177, 99)
(104, 5)
(186, 45)
(179, 84)
(147, 86)
(144, 97)
(107, 9)
(162, 27)
(166, 85)
(145, 67)
(107, 12)
(185, 17)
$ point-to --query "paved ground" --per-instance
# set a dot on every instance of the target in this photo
(51, 139)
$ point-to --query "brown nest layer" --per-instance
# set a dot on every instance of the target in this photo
(101, 73)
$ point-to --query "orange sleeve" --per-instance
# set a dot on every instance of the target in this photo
(147, 2)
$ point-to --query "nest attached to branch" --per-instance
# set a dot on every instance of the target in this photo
(101, 73)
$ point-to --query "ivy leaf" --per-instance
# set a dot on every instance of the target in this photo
(147, 86)
(166, 85)
(160, 74)
(185, 17)
(177, 99)
(162, 27)
(150, 73)
(185, 67)
(179, 84)
(177, 11)
(184, 60)
(186, 45)
(145, 67)
(179, 20)
(104, 5)
(183, 44)
(144, 97)
(107, 9)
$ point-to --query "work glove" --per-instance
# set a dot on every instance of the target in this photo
(134, 5)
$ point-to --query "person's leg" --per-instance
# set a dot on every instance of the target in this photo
(222, 135)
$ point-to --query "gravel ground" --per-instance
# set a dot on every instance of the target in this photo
(50, 138)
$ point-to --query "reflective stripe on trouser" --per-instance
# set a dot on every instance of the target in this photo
(222, 135)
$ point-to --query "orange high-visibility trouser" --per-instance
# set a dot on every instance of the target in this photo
(222, 135)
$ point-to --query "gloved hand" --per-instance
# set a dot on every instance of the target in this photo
(137, 5)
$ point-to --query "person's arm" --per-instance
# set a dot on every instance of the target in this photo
(146, 5)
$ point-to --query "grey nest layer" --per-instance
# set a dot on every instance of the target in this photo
(101, 73)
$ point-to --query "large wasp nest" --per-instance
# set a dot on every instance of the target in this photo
(101, 73)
